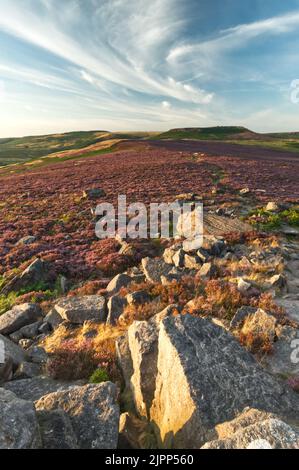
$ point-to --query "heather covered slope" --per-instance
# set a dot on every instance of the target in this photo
(26, 149)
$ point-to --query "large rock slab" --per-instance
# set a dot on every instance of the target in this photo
(284, 359)
(78, 310)
(35, 388)
(291, 307)
(93, 412)
(202, 377)
(18, 317)
(18, 423)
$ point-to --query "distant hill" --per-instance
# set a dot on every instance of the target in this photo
(208, 133)
(25, 149)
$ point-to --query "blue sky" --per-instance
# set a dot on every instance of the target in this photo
(147, 64)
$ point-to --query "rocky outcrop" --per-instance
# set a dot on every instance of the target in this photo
(19, 317)
(254, 429)
(78, 310)
(93, 413)
(18, 423)
(116, 306)
(190, 374)
(37, 272)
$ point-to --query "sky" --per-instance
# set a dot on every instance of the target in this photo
(147, 65)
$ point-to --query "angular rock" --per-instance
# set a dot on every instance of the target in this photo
(37, 272)
(117, 283)
(213, 245)
(27, 370)
(272, 207)
(138, 298)
(19, 316)
(269, 434)
(13, 355)
(284, 358)
(78, 310)
(37, 355)
(202, 377)
(291, 307)
(192, 262)
(29, 331)
(93, 412)
(116, 307)
(143, 345)
(94, 193)
(278, 281)
(155, 268)
(35, 388)
(243, 286)
(260, 324)
(27, 240)
(179, 259)
(208, 271)
(240, 316)
(18, 424)
(53, 318)
(56, 430)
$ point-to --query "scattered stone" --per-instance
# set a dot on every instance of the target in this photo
(19, 316)
(179, 259)
(169, 254)
(284, 358)
(118, 282)
(291, 308)
(138, 298)
(116, 307)
(278, 281)
(272, 207)
(244, 191)
(192, 262)
(94, 193)
(37, 355)
(53, 318)
(27, 240)
(203, 255)
(260, 324)
(154, 269)
(240, 316)
(78, 310)
(25, 343)
(18, 424)
(243, 286)
(93, 413)
(213, 245)
(208, 271)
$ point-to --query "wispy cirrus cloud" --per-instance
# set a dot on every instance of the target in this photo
(135, 63)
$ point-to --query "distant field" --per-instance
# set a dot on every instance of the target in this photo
(26, 149)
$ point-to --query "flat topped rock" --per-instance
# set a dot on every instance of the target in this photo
(78, 310)
(218, 225)
(35, 388)
(18, 317)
